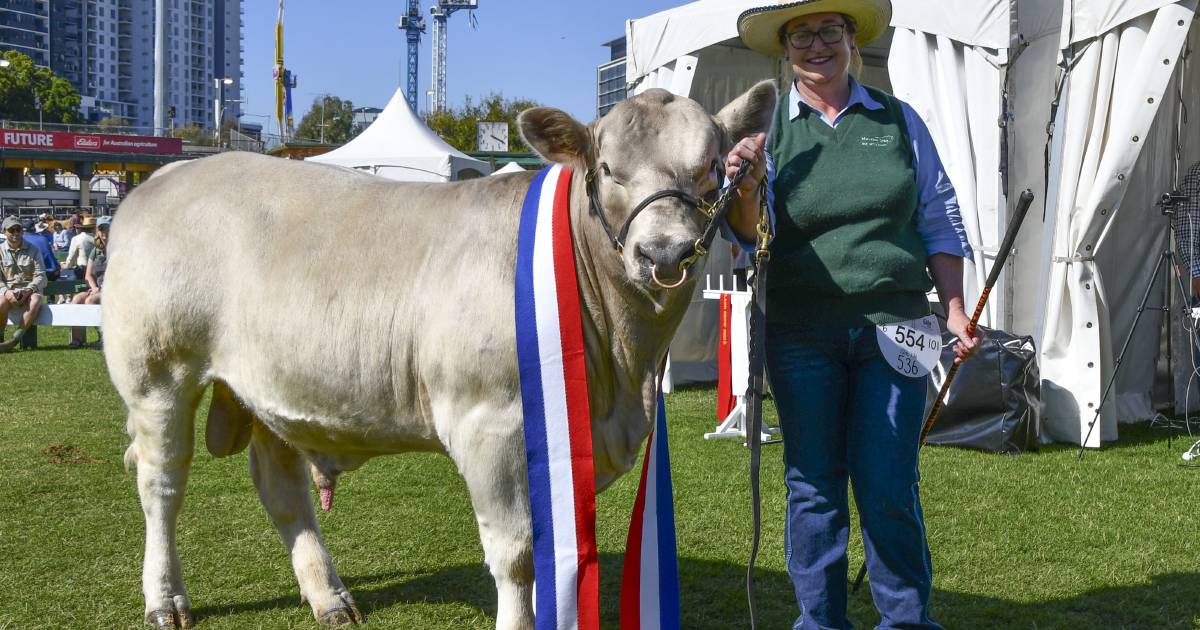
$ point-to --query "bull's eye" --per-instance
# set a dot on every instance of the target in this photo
(608, 173)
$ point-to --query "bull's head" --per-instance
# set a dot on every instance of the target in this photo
(653, 142)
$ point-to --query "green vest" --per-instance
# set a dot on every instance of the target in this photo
(846, 251)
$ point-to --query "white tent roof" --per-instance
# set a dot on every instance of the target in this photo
(399, 146)
(1090, 18)
(658, 39)
(663, 37)
(511, 167)
(973, 22)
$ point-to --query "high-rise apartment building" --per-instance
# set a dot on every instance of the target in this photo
(105, 48)
(25, 27)
(610, 78)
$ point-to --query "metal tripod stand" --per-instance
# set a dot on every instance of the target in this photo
(1167, 264)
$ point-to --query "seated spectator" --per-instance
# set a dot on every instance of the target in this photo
(62, 238)
(22, 280)
(36, 239)
(80, 248)
(70, 231)
(96, 266)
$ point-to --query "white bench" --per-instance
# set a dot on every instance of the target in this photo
(61, 315)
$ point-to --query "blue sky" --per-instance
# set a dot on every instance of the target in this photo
(543, 50)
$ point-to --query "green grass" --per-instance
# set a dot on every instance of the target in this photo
(1034, 541)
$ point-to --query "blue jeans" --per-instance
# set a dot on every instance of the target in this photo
(847, 416)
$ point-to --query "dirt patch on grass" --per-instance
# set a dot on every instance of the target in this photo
(64, 454)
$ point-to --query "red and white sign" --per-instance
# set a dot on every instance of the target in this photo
(28, 139)
(87, 142)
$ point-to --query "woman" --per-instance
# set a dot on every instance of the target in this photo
(61, 239)
(862, 208)
(80, 247)
(97, 264)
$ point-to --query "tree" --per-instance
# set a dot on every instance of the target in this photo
(113, 122)
(194, 134)
(330, 119)
(458, 127)
(23, 85)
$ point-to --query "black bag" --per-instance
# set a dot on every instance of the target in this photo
(994, 403)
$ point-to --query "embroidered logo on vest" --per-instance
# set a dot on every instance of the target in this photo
(877, 141)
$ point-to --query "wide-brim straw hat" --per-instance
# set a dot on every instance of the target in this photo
(88, 223)
(759, 27)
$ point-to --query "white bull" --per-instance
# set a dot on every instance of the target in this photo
(251, 274)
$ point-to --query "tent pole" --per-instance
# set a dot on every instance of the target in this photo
(1057, 137)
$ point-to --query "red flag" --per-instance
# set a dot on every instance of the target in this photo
(725, 397)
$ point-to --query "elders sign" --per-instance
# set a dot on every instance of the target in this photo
(61, 141)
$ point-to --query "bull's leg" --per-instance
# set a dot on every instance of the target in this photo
(500, 497)
(281, 475)
(160, 422)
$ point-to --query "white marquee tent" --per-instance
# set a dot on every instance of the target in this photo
(399, 146)
(985, 75)
(511, 167)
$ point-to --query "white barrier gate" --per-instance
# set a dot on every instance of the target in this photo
(734, 424)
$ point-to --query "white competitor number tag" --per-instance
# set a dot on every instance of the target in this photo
(912, 348)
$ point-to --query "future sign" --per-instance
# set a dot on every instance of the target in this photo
(58, 140)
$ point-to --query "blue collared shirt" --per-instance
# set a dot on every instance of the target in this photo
(939, 222)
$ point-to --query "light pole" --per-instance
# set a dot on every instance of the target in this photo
(324, 96)
(37, 102)
(218, 113)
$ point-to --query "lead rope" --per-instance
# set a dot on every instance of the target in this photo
(754, 393)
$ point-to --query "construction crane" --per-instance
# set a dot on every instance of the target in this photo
(441, 13)
(414, 26)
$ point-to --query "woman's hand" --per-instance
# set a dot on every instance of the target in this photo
(743, 212)
(957, 322)
(748, 149)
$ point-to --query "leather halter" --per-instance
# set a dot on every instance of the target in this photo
(715, 212)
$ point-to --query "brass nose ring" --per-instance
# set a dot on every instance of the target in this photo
(654, 275)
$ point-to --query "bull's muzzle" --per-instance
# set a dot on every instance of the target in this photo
(666, 262)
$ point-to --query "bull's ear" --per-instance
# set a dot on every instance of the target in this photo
(556, 136)
(748, 114)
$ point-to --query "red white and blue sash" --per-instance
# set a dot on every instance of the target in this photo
(554, 395)
(650, 586)
(558, 440)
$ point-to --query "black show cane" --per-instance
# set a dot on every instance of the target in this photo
(1014, 226)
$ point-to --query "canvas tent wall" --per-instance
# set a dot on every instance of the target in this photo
(983, 74)
(399, 146)
(1113, 154)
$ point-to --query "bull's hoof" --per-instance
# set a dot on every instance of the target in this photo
(178, 617)
(340, 617)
